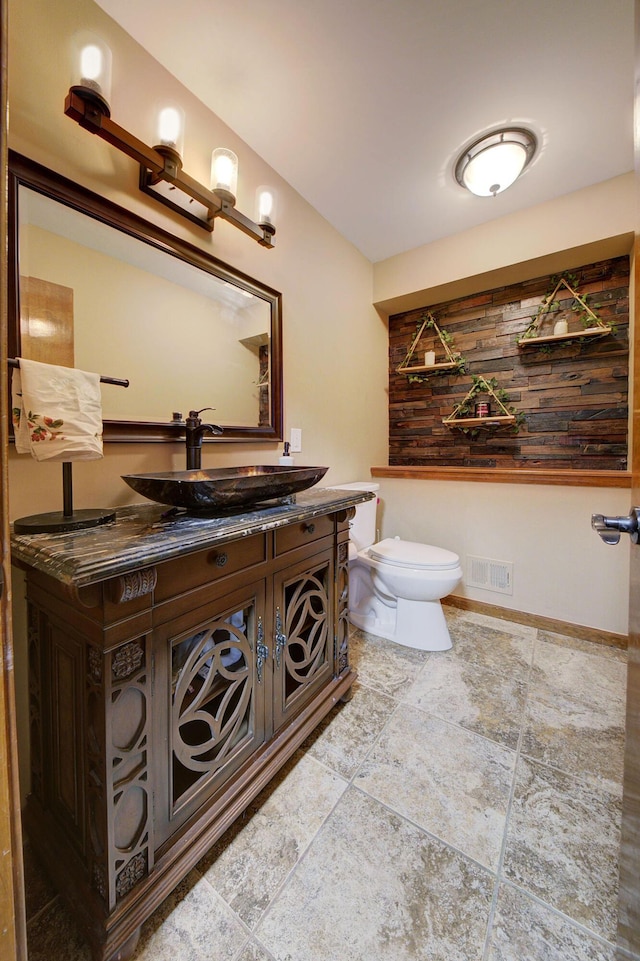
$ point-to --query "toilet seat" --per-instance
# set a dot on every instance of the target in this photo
(425, 557)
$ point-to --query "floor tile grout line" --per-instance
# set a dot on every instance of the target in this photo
(461, 727)
(247, 930)
(350, 783)
(303, 856)
(588, 781)
(252, 940)
(608, 786)
(423, 830)
(503, 847)
(392, 810)
(403, 703)
(579, 926)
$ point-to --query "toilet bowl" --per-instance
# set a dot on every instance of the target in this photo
(395, 586)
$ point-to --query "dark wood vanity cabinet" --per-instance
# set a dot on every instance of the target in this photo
(162, 700)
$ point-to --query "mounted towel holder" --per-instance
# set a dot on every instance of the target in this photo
(58, 522)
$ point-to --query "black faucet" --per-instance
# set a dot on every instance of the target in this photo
(195, 429)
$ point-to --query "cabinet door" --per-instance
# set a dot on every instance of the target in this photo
(210, 678)
(303, 639)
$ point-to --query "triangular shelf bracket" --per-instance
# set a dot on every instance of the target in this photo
(453, 360)
(480, 386)
(532, 334)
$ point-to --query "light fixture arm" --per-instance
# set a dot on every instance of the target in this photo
(155, 166)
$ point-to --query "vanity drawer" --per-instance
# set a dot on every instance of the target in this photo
(205, 567)
(298, 535)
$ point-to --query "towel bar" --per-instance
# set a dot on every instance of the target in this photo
(57, 522)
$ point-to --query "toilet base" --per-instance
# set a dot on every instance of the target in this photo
(417, 624)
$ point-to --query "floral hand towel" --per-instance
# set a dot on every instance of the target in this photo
(57, 412)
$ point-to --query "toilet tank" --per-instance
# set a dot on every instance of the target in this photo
(362, 529)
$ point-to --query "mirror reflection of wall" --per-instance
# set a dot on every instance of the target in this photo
(184, 338)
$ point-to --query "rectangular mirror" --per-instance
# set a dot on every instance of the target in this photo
(95, 287)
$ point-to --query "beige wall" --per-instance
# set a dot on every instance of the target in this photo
(561, 567)
(576, 229)
(335, 343)
(336, 398)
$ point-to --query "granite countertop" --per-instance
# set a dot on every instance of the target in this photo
(146, 534)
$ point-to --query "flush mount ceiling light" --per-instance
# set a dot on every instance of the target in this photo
(491, 164)
(161, 173)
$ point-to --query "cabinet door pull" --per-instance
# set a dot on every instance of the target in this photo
(262, 651)
(281, 639)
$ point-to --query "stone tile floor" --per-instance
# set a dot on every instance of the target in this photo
(464, 805)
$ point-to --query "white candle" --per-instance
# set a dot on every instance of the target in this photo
(561, 327)
(429, 358)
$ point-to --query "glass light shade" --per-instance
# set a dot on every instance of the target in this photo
(170, 128)
(91, 66)
(494, 162)
(266, 205)
(224, 173)
(494, 169)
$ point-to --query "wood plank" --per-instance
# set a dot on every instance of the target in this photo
(567, 478)
(573, 335)
(557, 388)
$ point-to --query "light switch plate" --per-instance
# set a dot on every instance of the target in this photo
(296, 440)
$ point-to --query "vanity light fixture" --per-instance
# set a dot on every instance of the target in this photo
(92, 71)
(161, 173)
(495, 161)
(265, 207)
(224, 174)
(170, 132)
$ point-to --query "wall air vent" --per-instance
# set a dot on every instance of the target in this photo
(489, 575)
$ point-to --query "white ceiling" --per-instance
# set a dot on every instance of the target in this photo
(364, 105)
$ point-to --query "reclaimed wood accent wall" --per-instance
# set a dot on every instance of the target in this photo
(570, 397)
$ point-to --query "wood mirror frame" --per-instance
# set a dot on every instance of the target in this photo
(26, 173)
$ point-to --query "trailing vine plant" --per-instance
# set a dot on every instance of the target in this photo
(550, 305)
(466, 408)
(455, 359)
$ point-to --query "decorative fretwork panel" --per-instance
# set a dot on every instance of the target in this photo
(342, 600)
(213, 704)
(303, 642)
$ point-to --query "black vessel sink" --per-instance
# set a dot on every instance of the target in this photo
(224, 487)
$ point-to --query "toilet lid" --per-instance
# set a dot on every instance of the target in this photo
(401, 553)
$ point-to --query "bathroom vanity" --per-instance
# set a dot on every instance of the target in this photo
(176, 663)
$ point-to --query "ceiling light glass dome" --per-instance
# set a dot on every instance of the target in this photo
(492, 163)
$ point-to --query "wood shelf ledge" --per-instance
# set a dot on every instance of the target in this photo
(415, 369)
(493, 420)
(488, 475)
(574, 335)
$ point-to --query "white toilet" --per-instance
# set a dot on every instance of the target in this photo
(395, 586)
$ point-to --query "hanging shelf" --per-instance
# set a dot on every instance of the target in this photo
(480, 386)
(531, 337)
(453, 361)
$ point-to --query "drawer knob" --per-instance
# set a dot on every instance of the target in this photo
(308, 528)
(221, 559)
